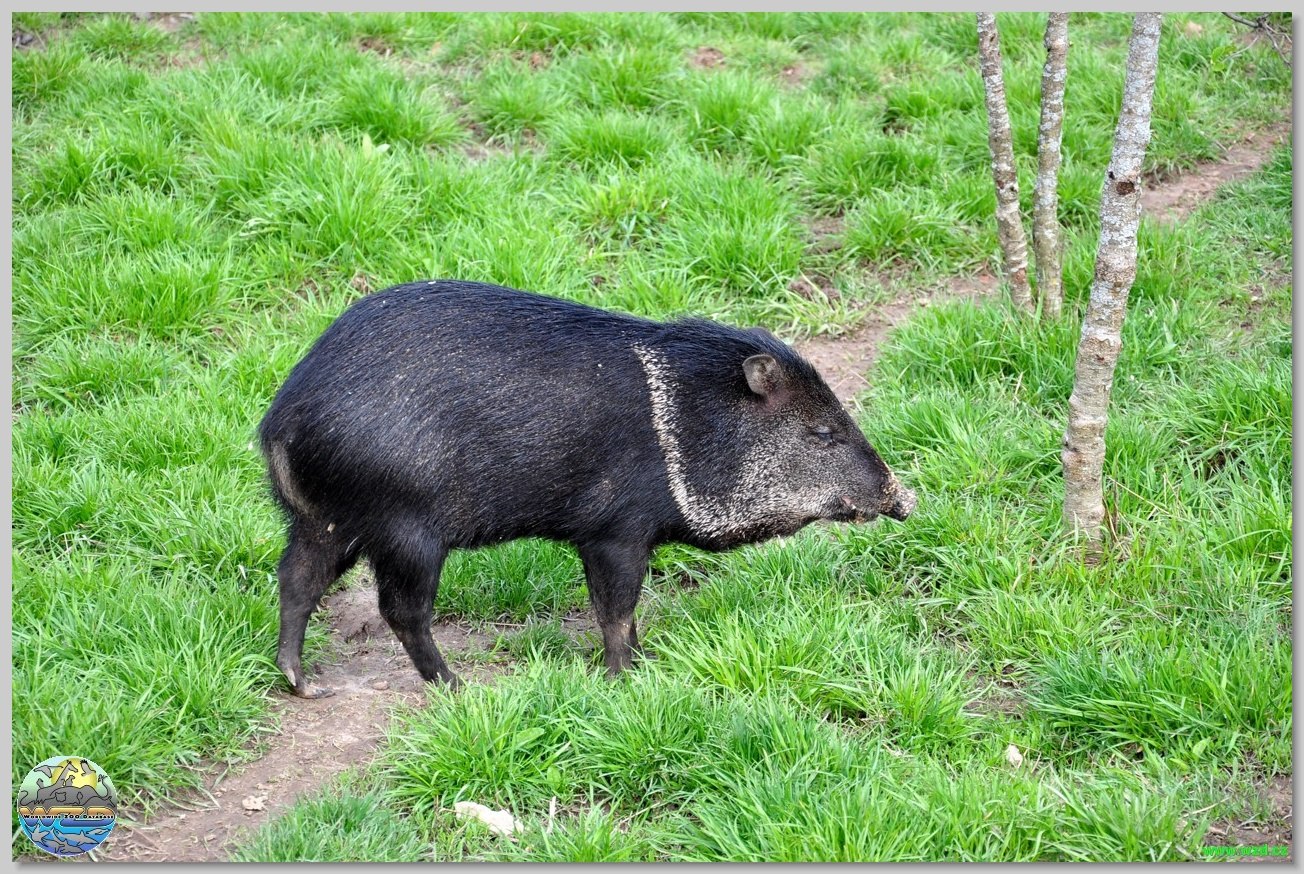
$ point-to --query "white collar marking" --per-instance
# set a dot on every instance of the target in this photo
(703, 514)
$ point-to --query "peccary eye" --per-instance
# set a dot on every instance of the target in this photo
(824, 435)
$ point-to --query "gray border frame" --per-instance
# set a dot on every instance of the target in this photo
(6, 242)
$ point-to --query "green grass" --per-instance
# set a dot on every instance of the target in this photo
(183, 231)
(352, 827)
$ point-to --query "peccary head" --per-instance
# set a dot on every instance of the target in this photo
(757, 445)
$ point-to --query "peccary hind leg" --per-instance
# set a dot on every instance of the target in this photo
(615, 572)
(314, 558)
(406, 586)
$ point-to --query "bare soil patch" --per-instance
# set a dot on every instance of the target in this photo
(795, 74)
(24, 39)
(316, 739)
(999, 695)
(814, 287)
(482, 145)
(1276, 831)
(376, 45)
(707, 58)
(536, 59)
(168, 22)
(844, 361)
(483, 151)
(1175, 198)
(192, 54)
(361, 283)
(825, 233)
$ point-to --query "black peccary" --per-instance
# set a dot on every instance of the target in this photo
(441, 415)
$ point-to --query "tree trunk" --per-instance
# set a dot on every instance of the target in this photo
(1045, 194)
(1101, 341)
(1009, 225)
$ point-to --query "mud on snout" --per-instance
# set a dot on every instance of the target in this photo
(897, 502)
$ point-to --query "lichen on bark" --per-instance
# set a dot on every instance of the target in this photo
(1009, 224)
(1101, 340)
(1045, 194)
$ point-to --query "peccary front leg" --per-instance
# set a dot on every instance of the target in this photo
(614, 572)
(406, 587)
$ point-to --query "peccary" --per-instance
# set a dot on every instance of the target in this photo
(441, 415)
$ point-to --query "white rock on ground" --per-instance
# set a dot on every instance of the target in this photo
(500, 822)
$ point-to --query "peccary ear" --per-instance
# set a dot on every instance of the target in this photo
(764, 376)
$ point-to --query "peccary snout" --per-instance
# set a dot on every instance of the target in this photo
(899, 501)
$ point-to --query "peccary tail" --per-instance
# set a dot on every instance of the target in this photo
(283, 479)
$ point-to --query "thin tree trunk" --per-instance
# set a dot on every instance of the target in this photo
(1009, 225)
(1101, 341)
(1045, 194)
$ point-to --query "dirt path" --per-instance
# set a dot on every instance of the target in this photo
(844, 361)
(316, 739)
(370, 672)
(1175, 198)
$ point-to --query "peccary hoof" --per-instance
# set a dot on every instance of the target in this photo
(308, 690)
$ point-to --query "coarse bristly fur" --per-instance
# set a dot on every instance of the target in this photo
(441, 415)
